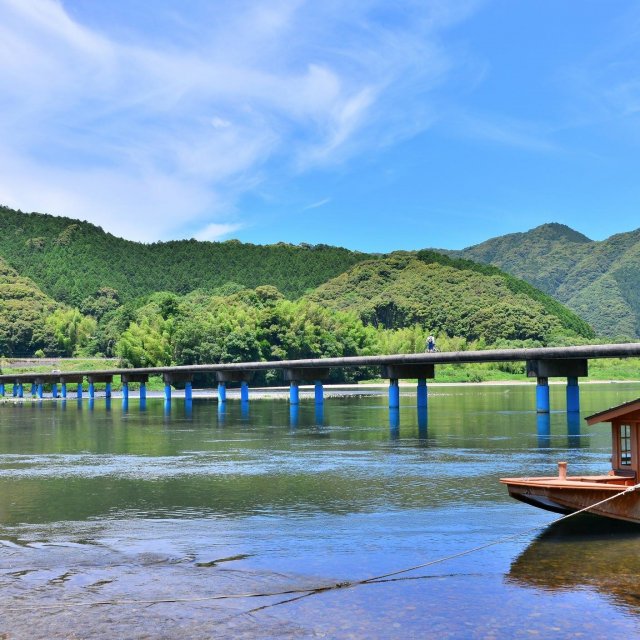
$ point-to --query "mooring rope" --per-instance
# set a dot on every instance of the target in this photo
(309, 591)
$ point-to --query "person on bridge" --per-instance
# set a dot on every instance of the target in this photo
(431, 344)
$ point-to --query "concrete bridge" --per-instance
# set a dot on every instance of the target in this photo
(541, 363)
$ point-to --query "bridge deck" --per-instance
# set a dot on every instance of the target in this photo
(457, 357)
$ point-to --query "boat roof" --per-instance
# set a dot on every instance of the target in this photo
(633, 406)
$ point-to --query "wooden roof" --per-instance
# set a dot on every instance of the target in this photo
(608, 415)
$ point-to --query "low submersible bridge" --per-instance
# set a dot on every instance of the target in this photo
(541, 363)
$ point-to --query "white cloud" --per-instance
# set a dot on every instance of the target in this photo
(504, 131)
(163, 130)
(216, 231)
(317, 205)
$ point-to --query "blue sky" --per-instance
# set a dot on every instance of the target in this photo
(369, 124)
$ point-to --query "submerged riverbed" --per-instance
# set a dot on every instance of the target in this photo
(136, 509)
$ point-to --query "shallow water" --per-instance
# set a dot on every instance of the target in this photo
(129, 508)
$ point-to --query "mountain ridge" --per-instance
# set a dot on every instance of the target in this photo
(598, 279)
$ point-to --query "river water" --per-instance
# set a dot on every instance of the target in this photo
(132, 508)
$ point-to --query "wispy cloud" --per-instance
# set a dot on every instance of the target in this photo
(217, 231)
(316, 205)
(148, 131)
(505, 131)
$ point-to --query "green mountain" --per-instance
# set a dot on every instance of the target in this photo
(454, 297)
(71, 260)
(89, 292)
(596, 279)
(23, 312)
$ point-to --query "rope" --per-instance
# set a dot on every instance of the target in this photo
(309, 591)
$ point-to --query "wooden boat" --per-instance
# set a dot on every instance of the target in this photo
(566, 494)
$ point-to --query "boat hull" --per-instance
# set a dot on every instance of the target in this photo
(570, 497)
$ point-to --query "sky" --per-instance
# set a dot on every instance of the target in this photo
(368, 124)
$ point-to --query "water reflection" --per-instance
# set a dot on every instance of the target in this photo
(585, 552)
(543, 426)
(423, 421)
(319, 414)
(394, 423)
(573, 429)
(294, 415)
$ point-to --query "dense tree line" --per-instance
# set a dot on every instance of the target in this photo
(104, 306)
(71, 260)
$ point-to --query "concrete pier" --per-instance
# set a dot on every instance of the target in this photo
(394, 393)
(570, 368)
(244, 392)
(142, 378)
(542, 396)
(222, 392)
(301, 375)
(294, 393)
(573, 395)
(398, 372)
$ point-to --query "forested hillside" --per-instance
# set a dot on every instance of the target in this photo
(453, 297)
(193, 302)
(31, 321)
(598, 280)
(71, 260)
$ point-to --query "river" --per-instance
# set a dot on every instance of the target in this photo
(156, 514)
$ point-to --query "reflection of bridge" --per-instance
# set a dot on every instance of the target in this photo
(542, 363)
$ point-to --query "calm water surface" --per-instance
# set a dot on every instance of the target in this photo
(98, 504)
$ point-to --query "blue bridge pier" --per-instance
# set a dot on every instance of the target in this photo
(243, 376)
(396, 372)
(301, 375)
(570, 368)
(171, 378)
(69, 378)
(142, 379)
(100, 378)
